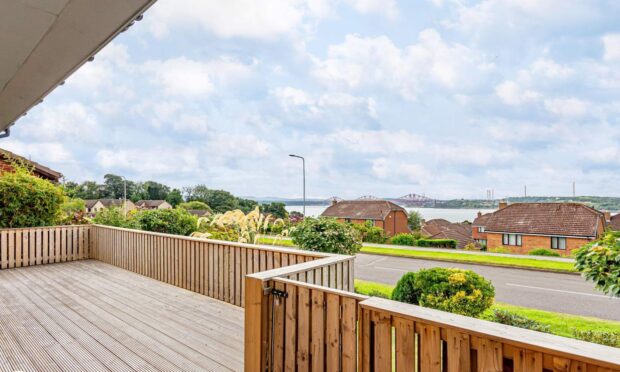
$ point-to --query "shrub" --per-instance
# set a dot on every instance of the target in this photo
(245, 227)
(403, 239)
(195, 205)
(516, 320)
(600, 262)
(326, 235)
(414, 220)
(369, 232)
(471, 247)
(169, 221)
(500, 250)
(116, 217)
(609, 338)
(454, 290)
(27, 200)
(543, 252)
(437, 243)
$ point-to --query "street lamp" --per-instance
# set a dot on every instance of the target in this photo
(303, 162)
(124, 195)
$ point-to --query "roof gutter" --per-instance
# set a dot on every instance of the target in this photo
(6, 133)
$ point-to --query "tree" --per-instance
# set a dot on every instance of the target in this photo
(246, 205)
(174, 197)
(27, 200)
(414, 220)
(275, 209)
(219, 200)
(599, 262)
(113, 186)
(198, 205)
(88, 190)
(326, 235)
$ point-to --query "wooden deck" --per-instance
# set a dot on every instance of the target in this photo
(88, 315)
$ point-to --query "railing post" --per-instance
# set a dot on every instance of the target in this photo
(256, 319)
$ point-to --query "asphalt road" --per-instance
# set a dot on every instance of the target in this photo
(558, 292)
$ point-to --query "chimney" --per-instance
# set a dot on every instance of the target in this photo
(334, 201)
(607, 216)
(479, 214)
(502, 204)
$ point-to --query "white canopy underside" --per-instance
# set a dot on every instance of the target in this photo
(42, 42)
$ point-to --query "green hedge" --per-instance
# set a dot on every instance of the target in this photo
(437, 243)
(543, 252)
(403, 239)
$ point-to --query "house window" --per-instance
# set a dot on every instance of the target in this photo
(348, 220)
(511, 239)
(481, 241)
(558, 242)
(480, 229)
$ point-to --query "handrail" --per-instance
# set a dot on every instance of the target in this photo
(299, 268)
(522, 338)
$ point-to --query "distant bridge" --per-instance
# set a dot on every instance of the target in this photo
(414, 200)
(368, 197)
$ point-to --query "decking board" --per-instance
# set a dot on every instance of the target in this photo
(91, 315)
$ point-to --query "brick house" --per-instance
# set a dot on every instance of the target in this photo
(153, 204)
(561, 227)
(390, 217)
(95, 205)
(440, 228)
(614, 222)
(7, 157)
(478, 232)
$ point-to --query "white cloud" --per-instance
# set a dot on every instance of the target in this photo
(398, 170)
(611, 43)
(237, 146)
(378, 62)
(150, 161)
(381, 142)
(387, 8)
(513, 94)
(292, 98)
(40, 152)
(185, 77)
(265, 20)
(63, 122)
(567, 107)
(549, 68)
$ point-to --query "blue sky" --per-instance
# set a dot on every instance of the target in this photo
(446, 98)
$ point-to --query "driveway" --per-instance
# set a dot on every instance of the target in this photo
(565, 293)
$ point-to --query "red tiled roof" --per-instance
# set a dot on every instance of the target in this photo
(40, 170)
(461, 239)
(362, 209)
(614, 223)
(150, 203)
(482, 219)
(562, 219)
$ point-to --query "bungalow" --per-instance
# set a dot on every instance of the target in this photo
(381, 213)
(443, 229)
(614, 222)
(153, 204)
(7, 158)
(478, 232)
(562, 227)
(95, 205)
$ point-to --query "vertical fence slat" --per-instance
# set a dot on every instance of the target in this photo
(405, 344)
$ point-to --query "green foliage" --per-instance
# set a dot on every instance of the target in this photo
(471, 247)
(403, 239)
(370, 233)
(458, 291)
(27, 200)
(220, 201)
(115, 216)
(275, 209)
(610, 338)
(326, 235)
(599, 262)
(170, 221)
(414, 220)
(500, 250)
(517, 320)
(246, 205)
(73, 212)
(197, 205)
(174, 197)
(437, 243)
(543, 252)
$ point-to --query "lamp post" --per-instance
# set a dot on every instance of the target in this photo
(124, 195)
(303, 162)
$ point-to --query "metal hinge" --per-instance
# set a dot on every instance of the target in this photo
(275, 292)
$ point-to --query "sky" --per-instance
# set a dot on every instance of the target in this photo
(446, 98)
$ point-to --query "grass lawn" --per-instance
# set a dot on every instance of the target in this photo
(560, 324)
(272, 241)
(476, 259)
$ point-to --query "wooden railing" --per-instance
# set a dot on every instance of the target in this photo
(43, 245)
(296, 326)
(211, 267)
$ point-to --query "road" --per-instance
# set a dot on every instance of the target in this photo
(565, 293)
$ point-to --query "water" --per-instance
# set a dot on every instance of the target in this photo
(452, 215)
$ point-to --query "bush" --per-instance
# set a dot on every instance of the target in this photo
(609, 338)
(169, 221)
(600, 262)
(437, 243)
(500, 250)
(543, 252)
(471, 247)
(27, 200)
(403, 239)
(326, 235)
(73, 212)
(198, 205)
(414, 220)
(116, 217)
(516, 320)
(370, 233)
(454, 290)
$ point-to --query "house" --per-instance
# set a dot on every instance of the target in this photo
(200, 212)
(7, 158)
(478, 232)
(440, 228)
(95, 205)
(153, 204)
(390, 217)
(614, 222)
(561, 227)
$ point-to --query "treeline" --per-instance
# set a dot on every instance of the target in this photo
(598, 202)
(220, 201)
